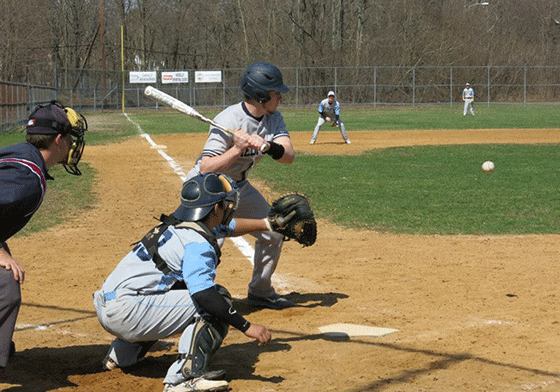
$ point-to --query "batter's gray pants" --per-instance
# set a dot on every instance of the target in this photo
(268, 244)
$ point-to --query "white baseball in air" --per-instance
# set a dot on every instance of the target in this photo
(488, 167)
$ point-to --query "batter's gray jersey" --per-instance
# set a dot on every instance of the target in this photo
(269, 127)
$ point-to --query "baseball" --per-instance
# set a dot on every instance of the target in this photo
(488, 166)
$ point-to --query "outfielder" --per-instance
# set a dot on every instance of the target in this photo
(256, 121)
(468, 99)
(329, 111)
(55, 135)
(165, 286)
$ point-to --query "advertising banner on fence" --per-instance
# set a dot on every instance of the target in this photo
(143, 77)
(174, 77)
(208, 76)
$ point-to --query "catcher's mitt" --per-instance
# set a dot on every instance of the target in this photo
(291, 215)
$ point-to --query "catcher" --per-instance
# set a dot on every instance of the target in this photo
(165, 284)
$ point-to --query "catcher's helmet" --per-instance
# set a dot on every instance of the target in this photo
(259, 78)
(201, 193)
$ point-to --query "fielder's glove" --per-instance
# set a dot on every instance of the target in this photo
(334, 124)
(291, 216)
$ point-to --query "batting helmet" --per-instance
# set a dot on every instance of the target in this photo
(201, 193)
(259, 78)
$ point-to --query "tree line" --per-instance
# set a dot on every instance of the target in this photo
(40, 36)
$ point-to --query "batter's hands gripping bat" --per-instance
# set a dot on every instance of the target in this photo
(182, 107)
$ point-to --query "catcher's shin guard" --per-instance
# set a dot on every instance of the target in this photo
(208, 335)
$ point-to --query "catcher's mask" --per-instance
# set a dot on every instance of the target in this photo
(201, 193)
(54, 119)
(259, 78)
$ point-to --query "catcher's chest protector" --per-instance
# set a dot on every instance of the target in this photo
(151, 239)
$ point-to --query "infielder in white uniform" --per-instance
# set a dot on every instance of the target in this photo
(165, 286)
(468, 99)
(256, 122)
(329, 111)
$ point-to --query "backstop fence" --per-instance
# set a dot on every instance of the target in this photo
(18, 99)
(93, 89)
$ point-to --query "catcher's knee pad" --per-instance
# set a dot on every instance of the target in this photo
(208, 336)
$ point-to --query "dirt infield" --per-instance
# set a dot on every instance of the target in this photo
(474, 313)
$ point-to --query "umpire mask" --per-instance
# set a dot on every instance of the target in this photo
(79, 127)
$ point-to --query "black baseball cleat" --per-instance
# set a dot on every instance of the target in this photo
(275, 302)
(12, 350)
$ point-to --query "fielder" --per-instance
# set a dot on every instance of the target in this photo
(468, 99)
(55, 135)
(256, 121)
(329, 110)
(165, 284)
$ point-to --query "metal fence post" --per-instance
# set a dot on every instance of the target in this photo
(374, 86)
(413, 85)
(297, 86)
(524, 85)
(450, 87)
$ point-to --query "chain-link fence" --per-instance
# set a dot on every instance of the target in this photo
(18, 99)
(377, 85)
(369, 86)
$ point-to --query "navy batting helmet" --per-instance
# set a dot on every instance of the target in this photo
(201, 193)
(259, 78)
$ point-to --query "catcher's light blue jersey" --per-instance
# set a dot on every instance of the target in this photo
(189, 256)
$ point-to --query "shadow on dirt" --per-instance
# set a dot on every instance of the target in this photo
(307, 300)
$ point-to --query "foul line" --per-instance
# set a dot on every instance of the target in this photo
(244, 247)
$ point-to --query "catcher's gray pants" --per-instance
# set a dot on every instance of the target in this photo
(10, 301)
(268, 244)
(468, 106)
(321, 122)
(142, 318)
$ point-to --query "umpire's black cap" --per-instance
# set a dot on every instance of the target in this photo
(48, 119)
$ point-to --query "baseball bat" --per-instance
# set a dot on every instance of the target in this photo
(182, 107)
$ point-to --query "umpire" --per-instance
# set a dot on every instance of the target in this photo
(55, 135)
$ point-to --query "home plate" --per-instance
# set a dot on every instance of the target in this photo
(355, 330)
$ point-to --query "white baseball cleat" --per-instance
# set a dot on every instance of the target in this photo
(197, 384)
(348, 141)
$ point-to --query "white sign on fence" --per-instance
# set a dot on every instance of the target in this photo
(143, 77)
(174, 77)
(208, 76)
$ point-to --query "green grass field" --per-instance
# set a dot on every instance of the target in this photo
(430, 189)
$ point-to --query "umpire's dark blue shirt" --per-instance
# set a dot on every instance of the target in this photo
(23, 175)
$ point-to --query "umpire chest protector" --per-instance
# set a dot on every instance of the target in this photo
(151, 239)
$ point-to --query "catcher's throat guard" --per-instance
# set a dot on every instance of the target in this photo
(231, 201)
